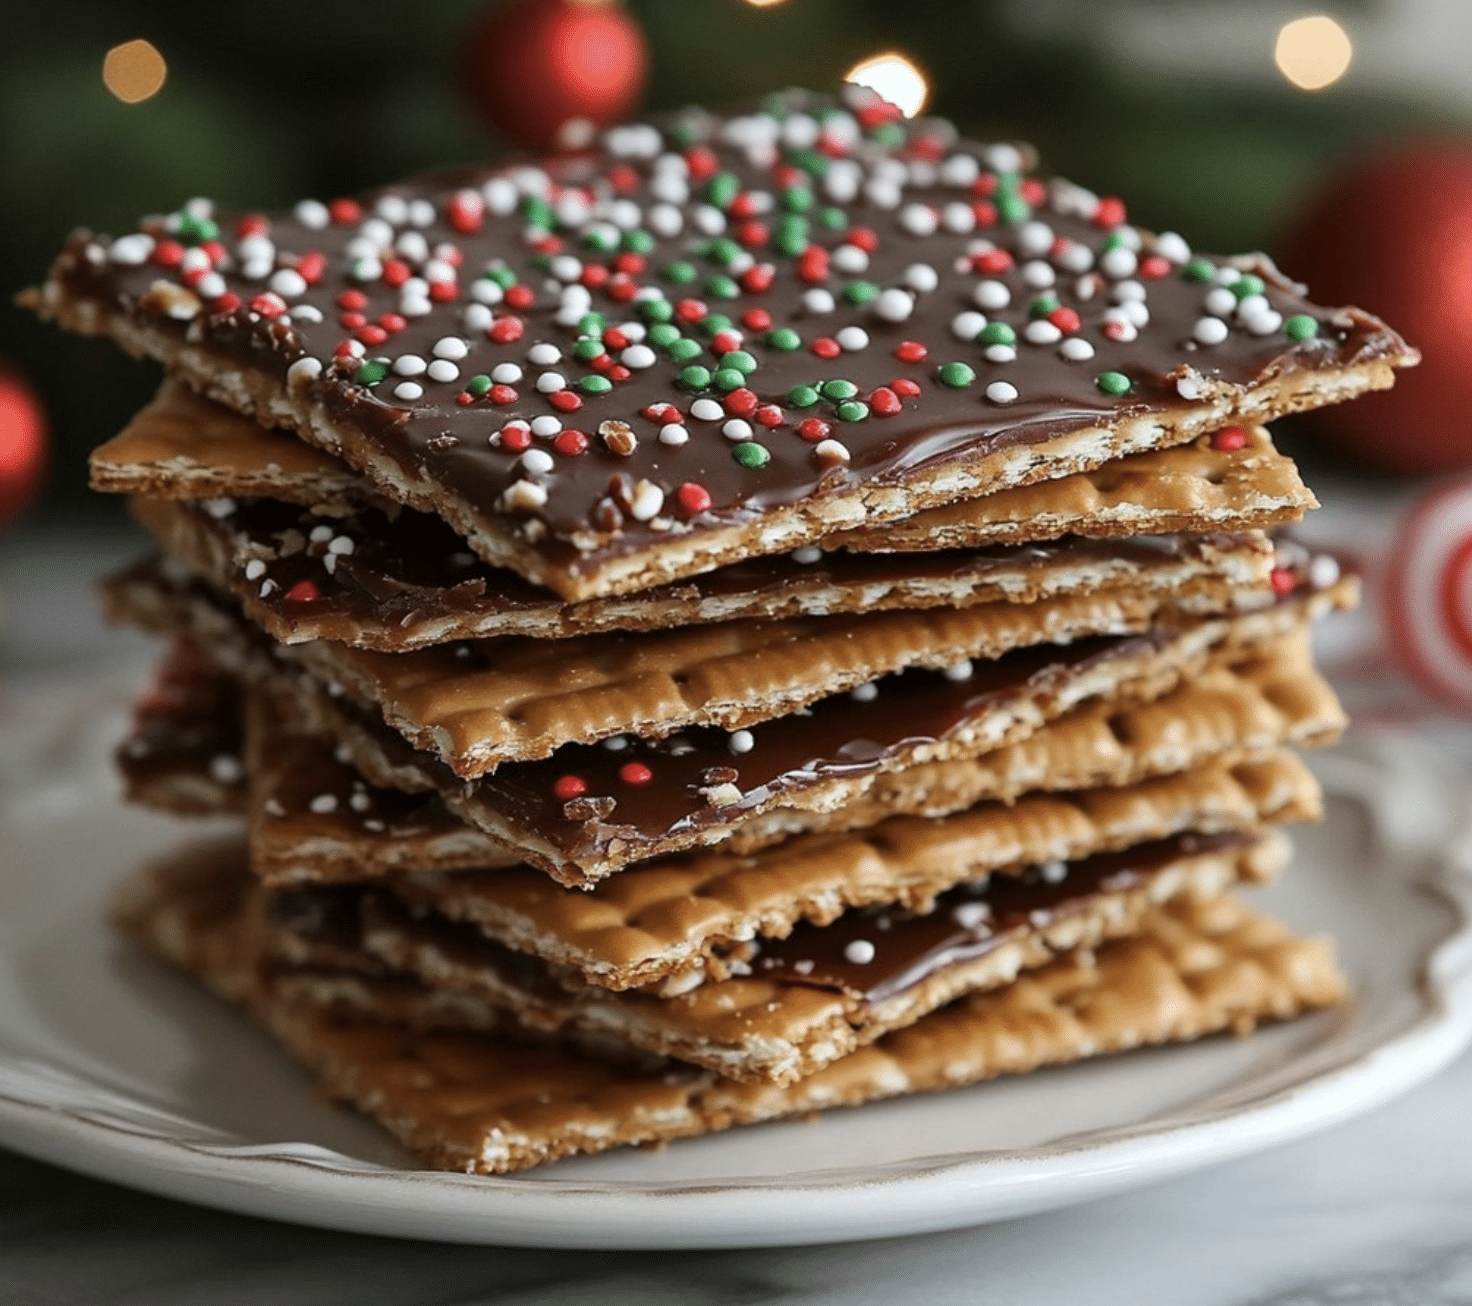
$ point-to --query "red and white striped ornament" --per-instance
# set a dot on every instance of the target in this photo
(1428, 593)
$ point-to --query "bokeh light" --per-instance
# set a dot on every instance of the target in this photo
(1313, 52)
(133, 71)
(895, 78)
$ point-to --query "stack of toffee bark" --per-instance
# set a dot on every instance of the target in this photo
(780, 610)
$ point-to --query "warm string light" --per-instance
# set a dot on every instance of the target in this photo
(133, 71)
(1313, 52)
(893, 77)
(763, 4)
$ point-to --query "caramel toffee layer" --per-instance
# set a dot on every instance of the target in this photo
(186, 724)
(414, 571)
(630, 307)
(871, 954)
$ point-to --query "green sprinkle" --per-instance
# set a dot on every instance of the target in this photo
(791, 236)
(711, 323)
(588, 349)
(1114, 240)
(371, 373)
(860, 292)
(193, 230)
(1012, 208)
(852, 411)
(592, 324)
(1113, 383)
(540, 262)
(740, 360)
(955, 375)
(750, 455)
(996, 333)
(888, 133)
(1300, 327)
(656, 310)
(1198, 269)
(680, 273)
(683, 133)
(1042, 306)
(503, 277)
(538, 213)
(721, 189)
(803, 396)
(684, 349)
(835, 219)
(1247, 284)
(695, 377)
(809, 161)
(722, 288)
(784, 338)
(797, 199)
(637, 242)
(601, 241)
(722, 251)
(729, 378)
(595, 384)
(662, 335)
(839, 389)
(478, 385)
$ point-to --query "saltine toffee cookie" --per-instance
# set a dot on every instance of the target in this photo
(183, 446)
(493, 1103)
(716, 336)
(586, 811)
(409, 583)
(815, 996)
(315, 816)
(476, 705)
(183, 753)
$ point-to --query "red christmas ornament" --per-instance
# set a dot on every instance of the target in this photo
(546, 72)
(1393, 234)
(22, 444)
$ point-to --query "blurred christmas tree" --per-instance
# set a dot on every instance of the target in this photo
(267, 102)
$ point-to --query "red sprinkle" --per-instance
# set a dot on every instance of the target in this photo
(723, 342)
(635, 773)
(304, 591)
(1033, 191)
(1284, 582)
(992, 261)
(884, 402)
(344, 349)
(743, 206)
(613, 338)
(618, 372)
(623, 178)
(905, 387)
(1117, 330)
(570, 443)
(351, 321)
(1153, 267)
(565, 401)
(986, 184)
(629, 263)
(226, 303)
(1229, 439)
(601, 364)
(985, 212)
(353, 300)
(267, 304)
(595, 275)
(395, 271)
(167, 253)
(502, 394)
(442, 292)
(567, 787)
(464, 399)
(345, 211)
(392, 322)
(813, 429)
(825, 347)
(757, 279)
(516, 438)
(311, 266)
(1110, 212)
(812, 264)
(756, 319)
(1065, 319)
(252, 224)
(692, 498)
(701, 161)
(690, 310)
(769, 415)
(752, 234)
(742, 402)
(864, 238)
(621, 288)
(516, 296)
(466, 211)
(506, 330)
(664, 414)
(910, 351)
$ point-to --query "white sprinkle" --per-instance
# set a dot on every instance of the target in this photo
(1188, 387)
(737, 429)
(970, 915)
(817, 300)
(1265, 323)
(313, 214)
(255, 569)
(451, 347)
(1053, 872)
(922, 277)
(850, 258)
(1000, 353)
(1001, 392)
(486, 291)
(637, 357)
(1003, 158)
(392, 208)
(443, 370)
(288, 282)
(303, 371)
(615, 743)
(551, 382)
(666, 220)
(707, 410)
(537, 461)
(210, 286)
(673, 435)
(959, 670)
(646, 501)
(1220, 302)
(421, 212)
(305, 313)
(1037, 274)
(413, 246)
(958, 217)
(1122, 292)
(883, 194)
(543, 355)
(546, 426)
(1247, 307)
(409, 365)
(1041, 332)
(374, 826)
(268, 588)
(1210, 331)
(858, 952)
(1323, 571)
(566, 268)
(831, 451)
(708, 220)
(1173, 247)
(523, 496)
(506, 373)
(991, 294)
(1135, 312)
(320, 534)
(130, 251)
(226, 769)
(476, 317)
(853, 338)
(968, 325)
(408, 390)
(322, 804)
(341, 545)
(959, 170)
(865, 693)
(807, 554)
(1227, 274)
(360, 802)
(1076, 349)
(741, 741)
(1034, 238)
(918, 219)
(892, 305)
(1118, 262)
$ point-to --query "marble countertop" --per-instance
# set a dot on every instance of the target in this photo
(1378, 1211)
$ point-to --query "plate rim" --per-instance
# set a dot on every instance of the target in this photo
(68, 1120)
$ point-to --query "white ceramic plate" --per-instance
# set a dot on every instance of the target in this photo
(113, 1067)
